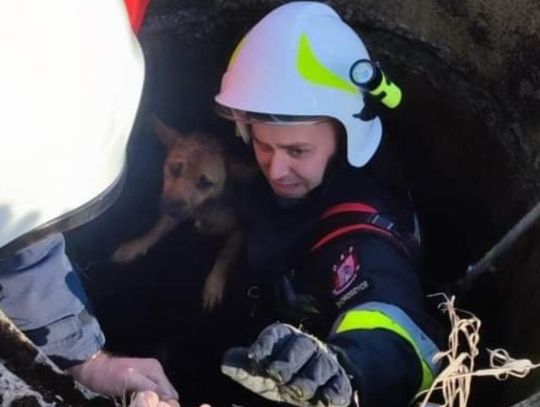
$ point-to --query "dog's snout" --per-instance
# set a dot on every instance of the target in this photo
(175, 208)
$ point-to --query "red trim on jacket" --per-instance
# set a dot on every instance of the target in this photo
(348, 207)
(348, 229)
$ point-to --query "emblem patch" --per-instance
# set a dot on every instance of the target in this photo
(345, 272)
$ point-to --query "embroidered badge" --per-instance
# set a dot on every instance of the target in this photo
(345, 272)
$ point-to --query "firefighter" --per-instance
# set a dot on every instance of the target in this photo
(334, 236)
(71, 78)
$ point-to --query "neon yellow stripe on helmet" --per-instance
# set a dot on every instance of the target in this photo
(364, 319)
(311, 69)
(235, 52)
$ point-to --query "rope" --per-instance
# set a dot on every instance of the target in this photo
(454, 382)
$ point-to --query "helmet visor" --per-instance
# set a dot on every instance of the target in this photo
(244, 119)
(267, 118)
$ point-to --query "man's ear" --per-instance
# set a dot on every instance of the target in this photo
(165, 134)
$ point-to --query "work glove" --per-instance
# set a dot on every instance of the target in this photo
(288, 365)
(114, 376)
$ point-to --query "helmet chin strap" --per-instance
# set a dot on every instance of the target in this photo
(335, 165)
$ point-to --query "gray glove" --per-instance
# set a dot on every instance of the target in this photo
(288, 365)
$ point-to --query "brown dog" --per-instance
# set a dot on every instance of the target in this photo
(194, 186)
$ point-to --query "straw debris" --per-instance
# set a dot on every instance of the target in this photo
(454, 382)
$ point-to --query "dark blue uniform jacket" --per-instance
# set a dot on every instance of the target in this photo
(318, 287)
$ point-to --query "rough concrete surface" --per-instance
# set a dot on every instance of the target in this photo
(28, 378)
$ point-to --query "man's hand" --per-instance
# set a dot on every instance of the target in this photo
(151, 399)
(107, 374)
(287, 365)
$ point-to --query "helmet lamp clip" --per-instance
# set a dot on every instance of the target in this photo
(373, 81)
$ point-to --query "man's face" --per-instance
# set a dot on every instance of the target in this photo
(294, 157)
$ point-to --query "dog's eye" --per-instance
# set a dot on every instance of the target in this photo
(204, 183)
(176, 169)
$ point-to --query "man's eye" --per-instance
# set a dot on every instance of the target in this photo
(176, 169)
(203, 183)
(297, 152)
(261, 147)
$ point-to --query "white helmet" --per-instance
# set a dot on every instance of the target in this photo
(71, 78)
(296, 62)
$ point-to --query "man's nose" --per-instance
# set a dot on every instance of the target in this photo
(279, 166)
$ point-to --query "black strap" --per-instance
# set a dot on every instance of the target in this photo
(347, 219)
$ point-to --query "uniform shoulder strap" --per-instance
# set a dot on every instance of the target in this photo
(351, 218)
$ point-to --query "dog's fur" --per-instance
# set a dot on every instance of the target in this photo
(195, 182)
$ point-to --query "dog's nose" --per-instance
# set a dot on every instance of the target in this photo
(174, 208)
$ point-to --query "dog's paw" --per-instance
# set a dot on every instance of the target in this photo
(213, 291)
(129, 251)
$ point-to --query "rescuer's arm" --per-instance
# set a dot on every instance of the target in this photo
(44, 297)
(380, 330)
(375, 352)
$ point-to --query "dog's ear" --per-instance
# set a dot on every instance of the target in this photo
(241, 170)
(165, 134)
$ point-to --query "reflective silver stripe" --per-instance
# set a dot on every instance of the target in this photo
(425, 346)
